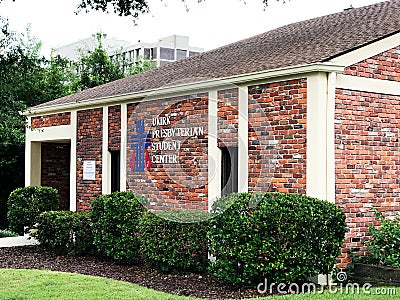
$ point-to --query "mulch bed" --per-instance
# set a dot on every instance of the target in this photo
(195, 285)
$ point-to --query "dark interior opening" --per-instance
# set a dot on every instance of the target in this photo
(115, 170)
(229, 170)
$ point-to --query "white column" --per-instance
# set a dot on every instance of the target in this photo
(317, 139)
(72, 180)
(33, 158)
(243, 138)
(124, 135)
(106, 159)
(214, 153)
(28, 150)
(330, 139)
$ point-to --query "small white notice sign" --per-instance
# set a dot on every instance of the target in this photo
(89, 170)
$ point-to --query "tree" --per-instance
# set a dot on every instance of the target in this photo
(132, 8)
(96, 67)
(28, 79)
(125, 7)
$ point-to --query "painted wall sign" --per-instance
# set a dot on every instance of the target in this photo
(147, 152)
(140, 159)
(166, 152)
(89, 170)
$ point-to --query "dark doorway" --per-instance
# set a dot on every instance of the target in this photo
(229, 170)
(115, 170)
(55, 170)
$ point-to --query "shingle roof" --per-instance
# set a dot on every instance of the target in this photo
(315, 40)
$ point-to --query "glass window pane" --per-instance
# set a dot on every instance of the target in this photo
(167, 53)
(180, 54)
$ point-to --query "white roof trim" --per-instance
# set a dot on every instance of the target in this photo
(190, 88)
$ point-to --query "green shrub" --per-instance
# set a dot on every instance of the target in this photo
(65, 232)
(175, 241)
(115, 220)
(384, 244)
(281, 237)
(26, 204)
(7, 233)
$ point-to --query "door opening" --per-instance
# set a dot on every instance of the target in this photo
(115, 170)
(229, 170)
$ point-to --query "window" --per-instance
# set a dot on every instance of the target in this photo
(229, 170)
(167, 53)
(192, 53)
(147, 53)
(180, 54)
(115, 170)
(154, 53)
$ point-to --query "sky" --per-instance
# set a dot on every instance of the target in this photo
(209, 24)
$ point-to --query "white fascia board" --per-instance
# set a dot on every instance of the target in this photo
(47, 134)
(189, 88)
(367, 51)
(363, 84)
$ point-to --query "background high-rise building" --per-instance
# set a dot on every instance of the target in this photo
(165, 50)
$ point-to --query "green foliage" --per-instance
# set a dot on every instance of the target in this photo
(43, 284)
(133, 8)
(26, 204)
(384, 244)
(65, 232)
(96, 67)
(169, 244)
(28, 79)
(141, 65)
(23, 77)
(7, 233)
(281, 237)
(115, 219)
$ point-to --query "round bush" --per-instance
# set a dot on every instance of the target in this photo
(171, 243)
(280, 237)
(115, 220)
(26, 204)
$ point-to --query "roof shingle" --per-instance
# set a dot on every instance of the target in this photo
(315, 40)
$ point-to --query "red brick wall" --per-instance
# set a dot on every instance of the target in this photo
(55, 169)
(366, 141)
(180, 184)
(228, 118)
(51, 120)
(277, 136)
(89, 147)
(367, 161)
(385, 66)
(114, 128)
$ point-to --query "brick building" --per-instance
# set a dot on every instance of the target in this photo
(310, 108)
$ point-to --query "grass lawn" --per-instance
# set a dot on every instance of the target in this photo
(35, 284)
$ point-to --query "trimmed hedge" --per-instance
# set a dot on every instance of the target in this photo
(169, 243)
(65, 232)
(115, 220)
(26, 204)
(281, 237)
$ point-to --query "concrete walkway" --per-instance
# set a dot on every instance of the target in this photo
(17, 241)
